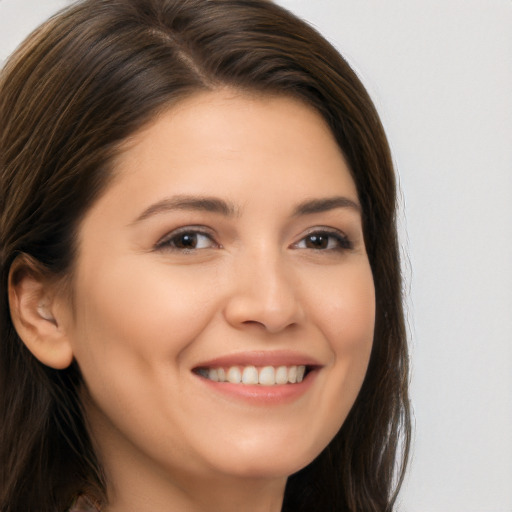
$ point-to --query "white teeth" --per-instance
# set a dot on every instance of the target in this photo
(250, 375)
(281, 375)
(267, 376)
(234, 375)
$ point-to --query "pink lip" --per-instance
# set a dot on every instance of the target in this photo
(258, 394)
(262, 395)
(260, 358)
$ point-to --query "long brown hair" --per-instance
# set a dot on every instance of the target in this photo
(69, 96)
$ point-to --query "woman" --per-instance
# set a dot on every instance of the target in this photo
(201, 303)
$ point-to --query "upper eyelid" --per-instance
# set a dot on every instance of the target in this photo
(209, 232)
(200, 230)
(329, 231)
(324, 229)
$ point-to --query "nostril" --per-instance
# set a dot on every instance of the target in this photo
(254, 322)
(250, 308)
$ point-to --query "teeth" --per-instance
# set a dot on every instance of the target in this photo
(250, 375)
(267, 376)
(234, 375)
(281, 375)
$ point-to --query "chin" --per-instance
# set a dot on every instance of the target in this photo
(268, 462)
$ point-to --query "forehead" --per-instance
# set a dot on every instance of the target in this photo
(240, 147)
(214, 128)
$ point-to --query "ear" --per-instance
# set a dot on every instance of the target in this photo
(36, 312)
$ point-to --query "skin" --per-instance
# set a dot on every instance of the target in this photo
(146, 312)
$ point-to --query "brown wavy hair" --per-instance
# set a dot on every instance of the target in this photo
(69, 96)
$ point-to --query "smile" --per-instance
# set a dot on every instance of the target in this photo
(252, 375)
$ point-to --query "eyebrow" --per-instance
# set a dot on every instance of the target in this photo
(323, 205)
(197, 203)
(216, 205)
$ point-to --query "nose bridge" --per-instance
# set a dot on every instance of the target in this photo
(264, 291)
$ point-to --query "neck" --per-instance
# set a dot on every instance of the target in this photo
(184, 494)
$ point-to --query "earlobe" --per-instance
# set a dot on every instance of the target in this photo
(34, 312)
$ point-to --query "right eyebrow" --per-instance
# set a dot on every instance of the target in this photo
(325, 204)
(185, 202)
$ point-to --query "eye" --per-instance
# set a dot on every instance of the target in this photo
(324, 240)
(187, 239)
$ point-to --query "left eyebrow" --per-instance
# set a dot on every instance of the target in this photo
(323, 205)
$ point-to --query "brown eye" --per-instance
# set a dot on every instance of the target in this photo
(324, 241)
(186, 240)
(317, 241)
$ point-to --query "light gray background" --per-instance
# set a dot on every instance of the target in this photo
(440, 72)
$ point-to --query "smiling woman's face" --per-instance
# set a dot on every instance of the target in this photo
(229, 246)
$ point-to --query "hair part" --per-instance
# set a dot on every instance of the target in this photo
(70, 96)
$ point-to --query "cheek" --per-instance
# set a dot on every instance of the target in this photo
(131, 336)
(346, 311)
(346, 314)
(137, 321)
(353, 329)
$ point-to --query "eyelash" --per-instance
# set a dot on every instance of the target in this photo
(168, 242)
(341, 241)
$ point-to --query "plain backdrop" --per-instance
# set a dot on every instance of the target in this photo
(440, 73)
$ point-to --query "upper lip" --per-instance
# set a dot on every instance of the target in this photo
(260, 358)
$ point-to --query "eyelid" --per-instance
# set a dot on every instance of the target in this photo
(344, 241)
(163, 242)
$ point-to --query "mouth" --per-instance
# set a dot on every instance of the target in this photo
(256, 375)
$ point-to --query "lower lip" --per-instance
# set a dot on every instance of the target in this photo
(258, 394)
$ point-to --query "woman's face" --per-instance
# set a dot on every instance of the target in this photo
(228, 246)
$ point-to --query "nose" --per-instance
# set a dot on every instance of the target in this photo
(264, 294)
